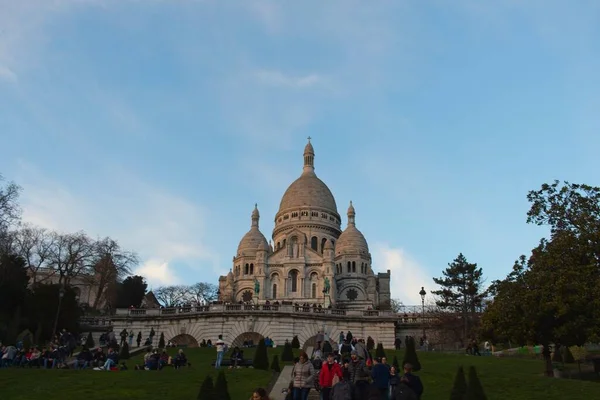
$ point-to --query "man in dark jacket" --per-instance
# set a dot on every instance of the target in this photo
(381, 378)
(412, 381)
(359, 376)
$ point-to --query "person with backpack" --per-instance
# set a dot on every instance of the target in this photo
(341, 390)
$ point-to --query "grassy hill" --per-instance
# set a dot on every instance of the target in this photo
(502, 378)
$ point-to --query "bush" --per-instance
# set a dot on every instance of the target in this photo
(124, 353)
(395, 364)
(207, 390)
(275, 364)
(567, 355)
(161, 341)
(295, 343)
(379, 352)
(221, 387)
(410, 355)
(474, 388)
(349, 337)
(287, 354)
(261, 360)
(89, 342)
(327, 348)
(370, 343)
(459, 389)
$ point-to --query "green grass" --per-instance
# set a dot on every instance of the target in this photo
(502, 378)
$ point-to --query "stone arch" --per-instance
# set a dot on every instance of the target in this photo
(246, 336)
(360, 292)
(184, 339)
(245, 327)
(293, 278)
(312, 342)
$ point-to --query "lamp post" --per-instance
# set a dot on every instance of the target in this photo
(423, 293)
(61, 294)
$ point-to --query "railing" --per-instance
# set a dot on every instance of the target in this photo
(95, 321)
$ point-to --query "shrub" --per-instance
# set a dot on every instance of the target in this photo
(124, 353)
(221, 388)
(410, 355)
(287, 354)
(567, 355)
(295, 343)
(370, 343)
(275, 364)
(349, 337)
(261, 360)
(459, 389)
(207, 390)
(327, 348)
(395, 364)
(474, 388)
(379, 352)
(89, 342)
(161, 341)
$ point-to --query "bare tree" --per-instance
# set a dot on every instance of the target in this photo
(72, 255)
(171, 296)
(35, 245)
(201, 292)
(9, 207)
(396, 305)
(111, 265)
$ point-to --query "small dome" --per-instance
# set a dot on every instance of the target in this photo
(351, 241)
(328, 245)
(251, 240)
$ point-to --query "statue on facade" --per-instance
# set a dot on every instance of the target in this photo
(327, 285)
(256, 286)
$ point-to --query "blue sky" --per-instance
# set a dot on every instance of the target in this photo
(161, 123)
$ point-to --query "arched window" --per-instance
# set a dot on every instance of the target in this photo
(246, 269)
(353, 266)
(323, 241)
(274, 291)
(278, 245)
(314, 242)
(293, 277)
(251, 269)
(313, 291)
(349, 267)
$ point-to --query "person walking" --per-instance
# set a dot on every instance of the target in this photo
(220, 345)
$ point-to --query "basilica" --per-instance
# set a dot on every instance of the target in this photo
(310, 259)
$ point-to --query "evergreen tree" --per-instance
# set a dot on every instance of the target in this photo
(370, 343)
(567, 356)
(89, 342)
(287, 354)
(459, 389)
(275, 364)
(410, 355)
(349, 337)
(327, 348)
(261, 360)
(161, 341)
(557, 356)
(379, 352)
(395, 363)
(474, 388)
(461, 290)
(124, 353)
(207, 390)
(295, 343)
(221, 390)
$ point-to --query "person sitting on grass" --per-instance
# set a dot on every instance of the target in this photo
(180, 359)
(51, 358)
(153, 361)
(111, 360)
(99, 358)
(237, 357)
(164, 360)
(83, 358)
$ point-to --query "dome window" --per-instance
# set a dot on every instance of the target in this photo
(286, 216)
(294, 215)
(246, 269)
(314, 242)
(353, 266)
(315, 214)
(324, 215)
(251, 269)
(293, 277)
(349, 266)
(304, 213)
(323, 242)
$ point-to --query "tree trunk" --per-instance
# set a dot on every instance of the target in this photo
(547, 361)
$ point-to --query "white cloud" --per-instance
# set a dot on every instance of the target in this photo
(157, 273)
(407, 275)
(7, 74)
(278, 78)
(164, 229)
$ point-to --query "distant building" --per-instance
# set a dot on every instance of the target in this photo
(310, 258)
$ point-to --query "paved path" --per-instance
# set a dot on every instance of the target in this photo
(282, 383)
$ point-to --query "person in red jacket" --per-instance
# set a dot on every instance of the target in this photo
(329, 370)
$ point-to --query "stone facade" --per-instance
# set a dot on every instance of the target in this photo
(310, 259)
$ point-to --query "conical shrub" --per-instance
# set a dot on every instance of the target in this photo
(161, 341)
(221, 390)
(275, 364)
(295, 343)
(288, 353)
(567, 355)
(410, 355)
(395, 363)
(124, 352)
(379, 352)
(474, 388)
(370, 343)
(261, 360)
(459, 389)
(327, 348)
(207, 390)
(349, 337)
(89, 342)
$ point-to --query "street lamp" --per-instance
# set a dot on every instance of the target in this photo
(61, 294)
(423, 293)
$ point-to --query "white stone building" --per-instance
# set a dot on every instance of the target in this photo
(310, 259)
